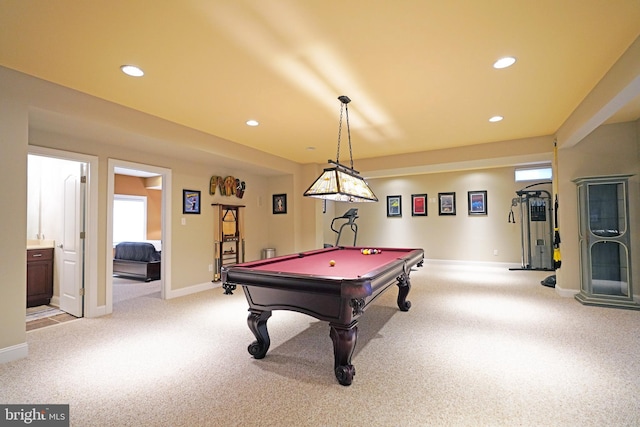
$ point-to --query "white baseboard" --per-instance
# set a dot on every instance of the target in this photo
(15, 352)
(99, 311)
(570, 293)
(190, 290)
(564, 292)
(493, 264)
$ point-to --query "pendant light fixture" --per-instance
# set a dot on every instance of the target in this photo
(341, 183)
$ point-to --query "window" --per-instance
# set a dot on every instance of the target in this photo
(129, 218)
(534, 174)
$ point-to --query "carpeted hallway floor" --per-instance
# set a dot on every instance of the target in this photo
(123, 289)
(481, 346)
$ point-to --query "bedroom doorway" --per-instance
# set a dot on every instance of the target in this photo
(140, 181)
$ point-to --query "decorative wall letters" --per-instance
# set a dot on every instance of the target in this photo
(228, 186)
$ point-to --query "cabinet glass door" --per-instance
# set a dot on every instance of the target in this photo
(607, 210)
(609, 270)
(607, 224)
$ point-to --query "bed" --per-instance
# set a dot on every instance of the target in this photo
(138, 260)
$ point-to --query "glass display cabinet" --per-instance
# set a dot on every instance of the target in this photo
(605, 259)
(228, 236)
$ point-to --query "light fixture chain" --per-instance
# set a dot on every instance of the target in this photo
(341, 183)
(346, 107)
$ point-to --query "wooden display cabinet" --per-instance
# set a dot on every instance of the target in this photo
(228, 236)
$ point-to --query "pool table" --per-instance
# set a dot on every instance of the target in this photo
(334, 284)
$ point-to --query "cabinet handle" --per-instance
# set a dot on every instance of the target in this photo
(36, 255)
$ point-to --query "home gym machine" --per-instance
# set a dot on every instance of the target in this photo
(536, 228)
(351, 215)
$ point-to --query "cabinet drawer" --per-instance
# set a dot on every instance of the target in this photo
(39, 254)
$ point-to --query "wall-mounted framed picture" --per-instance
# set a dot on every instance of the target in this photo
(418, 205)
(446, 203)
(477, 202)
(279, 203)
(190, 201)
(394, 205)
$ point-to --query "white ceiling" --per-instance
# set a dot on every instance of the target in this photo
(419, 72)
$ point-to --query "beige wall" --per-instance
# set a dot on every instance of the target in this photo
(280, 227)
(13, 227)
(462, 237)
(609, 150)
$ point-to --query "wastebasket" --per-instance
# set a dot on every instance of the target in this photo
(268, 253)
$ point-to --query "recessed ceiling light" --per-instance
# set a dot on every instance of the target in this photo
(505, 62)
(496, 119)
(132, 70)
(252, 123)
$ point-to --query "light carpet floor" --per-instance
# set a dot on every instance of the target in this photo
(125, 289)
(481, 346)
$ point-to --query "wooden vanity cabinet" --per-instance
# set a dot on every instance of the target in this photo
(39, 276)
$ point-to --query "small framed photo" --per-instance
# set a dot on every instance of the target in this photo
(279, 203)
(190, 202)
(477, 202)
(418, 205)
(394, 205)
(446, 203)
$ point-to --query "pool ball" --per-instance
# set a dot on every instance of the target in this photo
(332, 263)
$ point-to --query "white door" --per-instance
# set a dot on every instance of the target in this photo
(71, 249)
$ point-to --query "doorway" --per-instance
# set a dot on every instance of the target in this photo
(162, 242)
(62, 214)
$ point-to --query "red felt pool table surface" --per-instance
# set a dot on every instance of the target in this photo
(350, 263)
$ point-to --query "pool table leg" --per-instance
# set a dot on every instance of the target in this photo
(404, 286)
(257, 322)
(344, 342)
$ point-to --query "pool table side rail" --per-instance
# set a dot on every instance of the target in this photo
(267, 261)
(270, 290)
(248, 274)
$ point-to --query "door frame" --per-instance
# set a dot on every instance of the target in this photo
(90, 252)
(165, 266)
